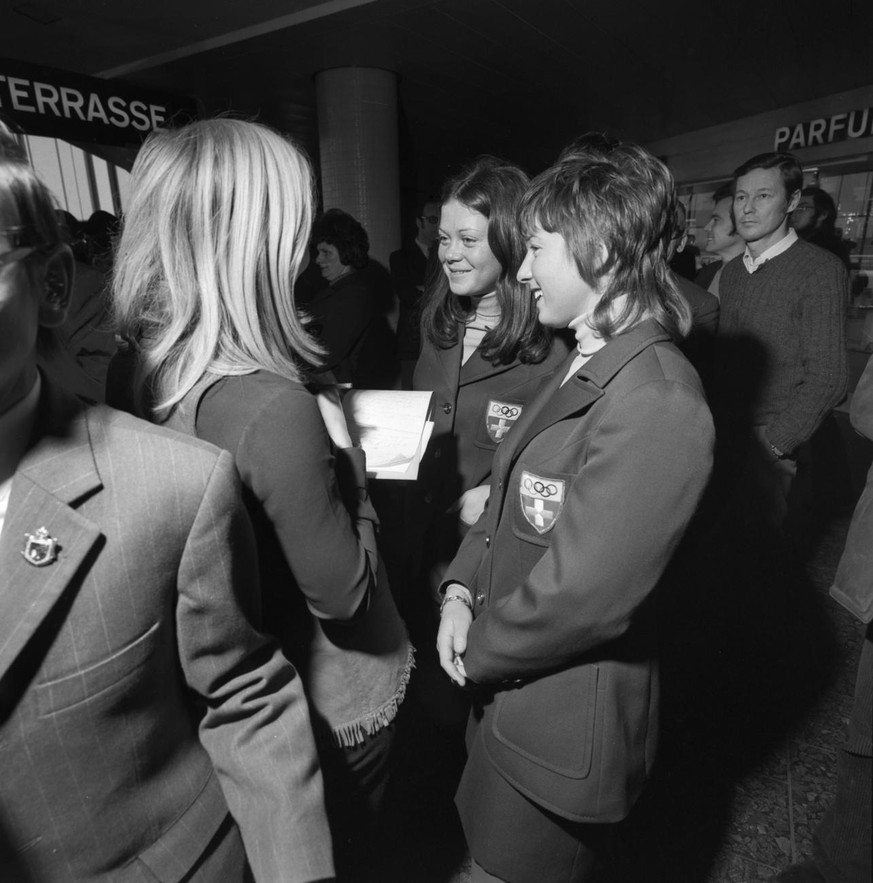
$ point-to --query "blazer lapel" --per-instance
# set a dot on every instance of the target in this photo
(555, 402)
(58, 470)
(476, 368)
(449, 360)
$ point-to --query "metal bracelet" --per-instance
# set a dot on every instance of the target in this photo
(460, 598)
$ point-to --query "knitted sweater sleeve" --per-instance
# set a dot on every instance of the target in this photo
(823, 377)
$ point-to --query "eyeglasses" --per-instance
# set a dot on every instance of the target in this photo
(804, 208)
(16, 254)
(431, 219)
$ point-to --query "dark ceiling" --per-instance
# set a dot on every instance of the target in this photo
(513, 77)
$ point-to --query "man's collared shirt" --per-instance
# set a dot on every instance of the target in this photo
(16, 426)
(751, 264)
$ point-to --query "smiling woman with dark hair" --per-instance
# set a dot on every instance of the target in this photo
(483, 354)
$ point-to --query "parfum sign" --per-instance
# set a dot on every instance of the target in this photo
(825, 130)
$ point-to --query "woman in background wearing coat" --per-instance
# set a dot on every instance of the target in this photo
(347, 315)
(548, 605)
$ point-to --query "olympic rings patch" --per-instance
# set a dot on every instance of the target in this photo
(541, 489)
(502, 410)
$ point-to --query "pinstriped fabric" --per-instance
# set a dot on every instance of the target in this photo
(113, 769)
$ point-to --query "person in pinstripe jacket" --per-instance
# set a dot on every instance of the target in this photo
(148, 730)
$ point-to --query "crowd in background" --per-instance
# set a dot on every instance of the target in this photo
(618, 433)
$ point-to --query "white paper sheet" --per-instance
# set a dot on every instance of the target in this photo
(392, 428)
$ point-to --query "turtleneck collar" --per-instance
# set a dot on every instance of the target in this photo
(588, 342)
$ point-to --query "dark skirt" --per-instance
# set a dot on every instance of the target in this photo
(516, 840)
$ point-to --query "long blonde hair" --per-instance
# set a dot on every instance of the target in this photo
(214, 237)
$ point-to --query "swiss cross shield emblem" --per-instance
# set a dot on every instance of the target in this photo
(499, 417)
(541, 500)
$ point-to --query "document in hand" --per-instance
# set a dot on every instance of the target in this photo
(391, 426)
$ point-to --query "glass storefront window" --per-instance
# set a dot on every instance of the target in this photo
(852, 196)
(81, 183)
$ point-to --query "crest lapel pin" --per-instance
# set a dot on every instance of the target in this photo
(40, 548)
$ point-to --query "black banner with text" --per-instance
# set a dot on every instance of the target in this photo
(60, 104)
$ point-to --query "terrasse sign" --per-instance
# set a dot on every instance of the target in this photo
(59, 104)
(825, 130)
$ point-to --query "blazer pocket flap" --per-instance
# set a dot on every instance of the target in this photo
(551, 721)
(67, 692)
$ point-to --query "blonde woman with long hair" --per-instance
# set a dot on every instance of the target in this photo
(214, 237)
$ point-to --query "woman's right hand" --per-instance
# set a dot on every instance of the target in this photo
(331, 408)
(471, 504)
(455, 622)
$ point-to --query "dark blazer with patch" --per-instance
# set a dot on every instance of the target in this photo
(474, 406)
(138, 706)
(590, 493)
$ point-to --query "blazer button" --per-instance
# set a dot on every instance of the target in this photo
(480, 598)
(447, 408)
(500, 484)
(487, 542)
(428, 497)
(437, 453)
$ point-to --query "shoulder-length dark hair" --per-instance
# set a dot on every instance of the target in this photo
(493, 188)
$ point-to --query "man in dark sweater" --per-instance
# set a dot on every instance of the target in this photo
(781, 330)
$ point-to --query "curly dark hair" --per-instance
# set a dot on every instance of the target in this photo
(345, 233)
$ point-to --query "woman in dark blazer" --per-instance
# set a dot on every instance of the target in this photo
(223, 357)
(483, 354)
(590, 493)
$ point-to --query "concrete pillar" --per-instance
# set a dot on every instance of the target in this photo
(357, 133)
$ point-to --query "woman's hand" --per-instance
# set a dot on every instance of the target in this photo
(455, 622)
(471, 504)
(332, 414)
